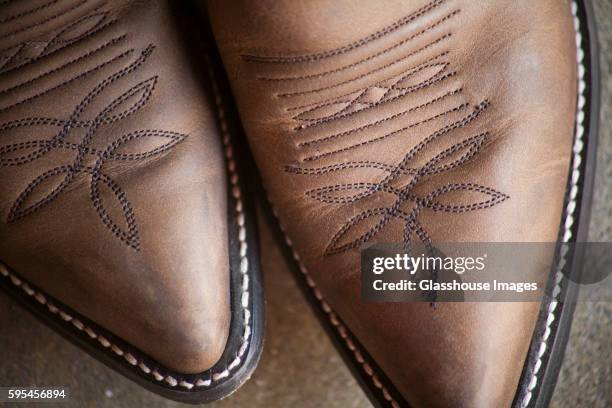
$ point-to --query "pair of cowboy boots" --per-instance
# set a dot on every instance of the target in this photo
(127, 191)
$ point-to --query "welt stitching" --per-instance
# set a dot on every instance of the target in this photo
(370, 57)
(67, 64)
(66, 82)
(334, 321)
(378, 122)
(366, 142)
(569, 213)
(366, 74)
(341, 50)
(48, 19)
(27, 12)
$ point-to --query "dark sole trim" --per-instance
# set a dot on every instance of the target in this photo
(546, 352)
(378, 388)
(245, 341)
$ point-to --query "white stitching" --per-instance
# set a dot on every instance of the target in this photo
(571, 205)
(244, 269)
(569, 221)
(342, 331)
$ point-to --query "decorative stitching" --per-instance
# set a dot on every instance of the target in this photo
(67, 64)
(380, 84)
(570, 209)
(68, 81)
(139, 94)
(349, 110)
(173, 380)
(46, 20)
(359, 43)
(378, 122)
(393, 133)
(57, 39)
(28, 12)
(338, 84)
(361, 61)
(466, 150)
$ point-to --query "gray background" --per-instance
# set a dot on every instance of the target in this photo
(299, 367)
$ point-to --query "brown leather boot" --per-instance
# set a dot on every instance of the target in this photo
(124, 222)
(472, 112)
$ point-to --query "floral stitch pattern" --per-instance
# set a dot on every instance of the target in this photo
(35, 196)
(398, 181)
(374, 220)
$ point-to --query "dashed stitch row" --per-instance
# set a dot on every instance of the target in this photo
(66, 64)
(341, 50)
(28, 12)
(45, 21)
(378, 122)
(168, 379)
(438, 77)
(395, 132)
(366, 74)
(368, 58)
(577, 150)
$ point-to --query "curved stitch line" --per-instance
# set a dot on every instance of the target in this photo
(370, 57)
(381, 84)
(174, 136)
(81, 75)
(392, 117)
(67, 64)
(97, 27)
(388, 213)
(209, 378)
(474, 142)
(48, 19)
(45, 52)
(437, 116)
(54, 40)
(27, 12)
(433, 80)
(359, 43)
(405, 57)
(330, 101)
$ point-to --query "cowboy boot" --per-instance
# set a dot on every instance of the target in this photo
(422, 121)
(124, 223)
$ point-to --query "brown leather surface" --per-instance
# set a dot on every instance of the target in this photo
(112, 177)
(346, 103)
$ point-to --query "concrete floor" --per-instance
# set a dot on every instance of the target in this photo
(299, 367)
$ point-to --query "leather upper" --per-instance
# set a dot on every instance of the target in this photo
(428, 120)
(112, 178)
